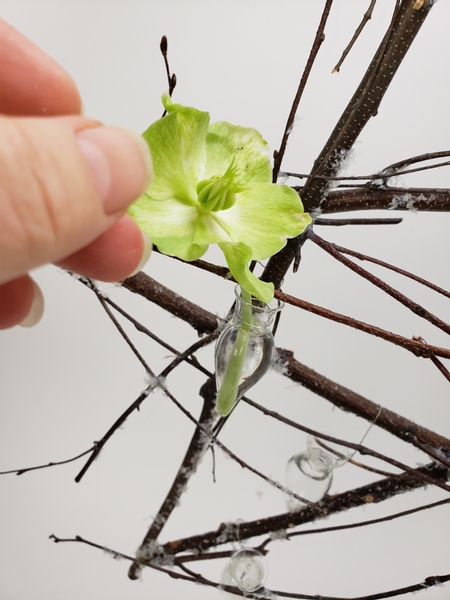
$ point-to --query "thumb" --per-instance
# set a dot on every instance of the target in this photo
(63, 182)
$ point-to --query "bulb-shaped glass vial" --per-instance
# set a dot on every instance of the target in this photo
(310, 473)
(244, 349)
(247, 570)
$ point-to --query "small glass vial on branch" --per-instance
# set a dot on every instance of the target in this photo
(247, 570)
(310, 473)
(244, 350)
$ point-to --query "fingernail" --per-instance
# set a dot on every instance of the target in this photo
(120, 163)
(148, 247)
(37, 308)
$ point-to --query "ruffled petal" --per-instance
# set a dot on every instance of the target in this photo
(245, 147)
(171, 226)
(177, 146)
(237, 257)
(264, 216)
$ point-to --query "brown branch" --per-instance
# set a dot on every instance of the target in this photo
(171, 77)
(50, 464)
(350, 401)
(318, 40)
(391, 517)
(416, 308)
(194, 453)
(437, 363)
(263, 593)
(366, 99)
(393, 170)
(343, 222)
(117, 424)
(372, 493)
(200, 319)
(363, 105)
(357, 447)
(381, 263)
(367, 16)
(391, 198)
(337, 394)
(413, 346)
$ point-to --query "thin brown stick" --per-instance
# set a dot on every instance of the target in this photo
(362, 107)
(343, 222)
(367, 16)
(350, 401)
(387, 518)
(369, 494)
(381, 263)
(390, 198)
(189, 464)
(50, 464)
(263, 593)
(318, 40)
(436, 362)
(357, 447)
(412, 345)
(202, 320)
(416, 308)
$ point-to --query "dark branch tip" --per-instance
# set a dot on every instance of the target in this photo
(163, 45)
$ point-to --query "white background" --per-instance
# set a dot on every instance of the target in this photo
(64, 382)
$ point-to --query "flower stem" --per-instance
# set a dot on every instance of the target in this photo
(228, 392)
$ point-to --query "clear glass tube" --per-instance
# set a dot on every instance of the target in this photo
(244, 350)
(310, 473)
(247, 570)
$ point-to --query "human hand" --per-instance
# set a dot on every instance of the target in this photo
(65, 182)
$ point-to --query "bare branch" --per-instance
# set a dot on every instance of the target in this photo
(50, 464)
(416, 308)
(363, 105)
(367, 16)
(368, 494)
(202, 320)
(391, 198)
(412, 345)
(349, 400)
(318, 40)
(376, 261)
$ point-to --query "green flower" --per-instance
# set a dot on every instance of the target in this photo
(212, 185)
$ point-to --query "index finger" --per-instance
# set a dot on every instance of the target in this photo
(31, 82)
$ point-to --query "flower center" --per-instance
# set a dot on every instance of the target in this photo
(219, 192)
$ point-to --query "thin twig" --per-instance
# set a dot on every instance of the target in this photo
(350, 401)
(318, 40)
(50, 464)
(341, 222)
(171, 77)
(376, 261)
(262, 593)
(367, 16)
(385, 519)
(372, 493)
(117, 424)
(413, 346)
(437, 363)
(391, 198)
(383, 175)
(414, 307)
(357, 447)
(364, 104)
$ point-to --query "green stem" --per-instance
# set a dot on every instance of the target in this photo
(227, 394)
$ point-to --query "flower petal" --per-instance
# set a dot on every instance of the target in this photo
(238, 256)
(177, 145)
(264, 216)
(244, 146)
(170, 224)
